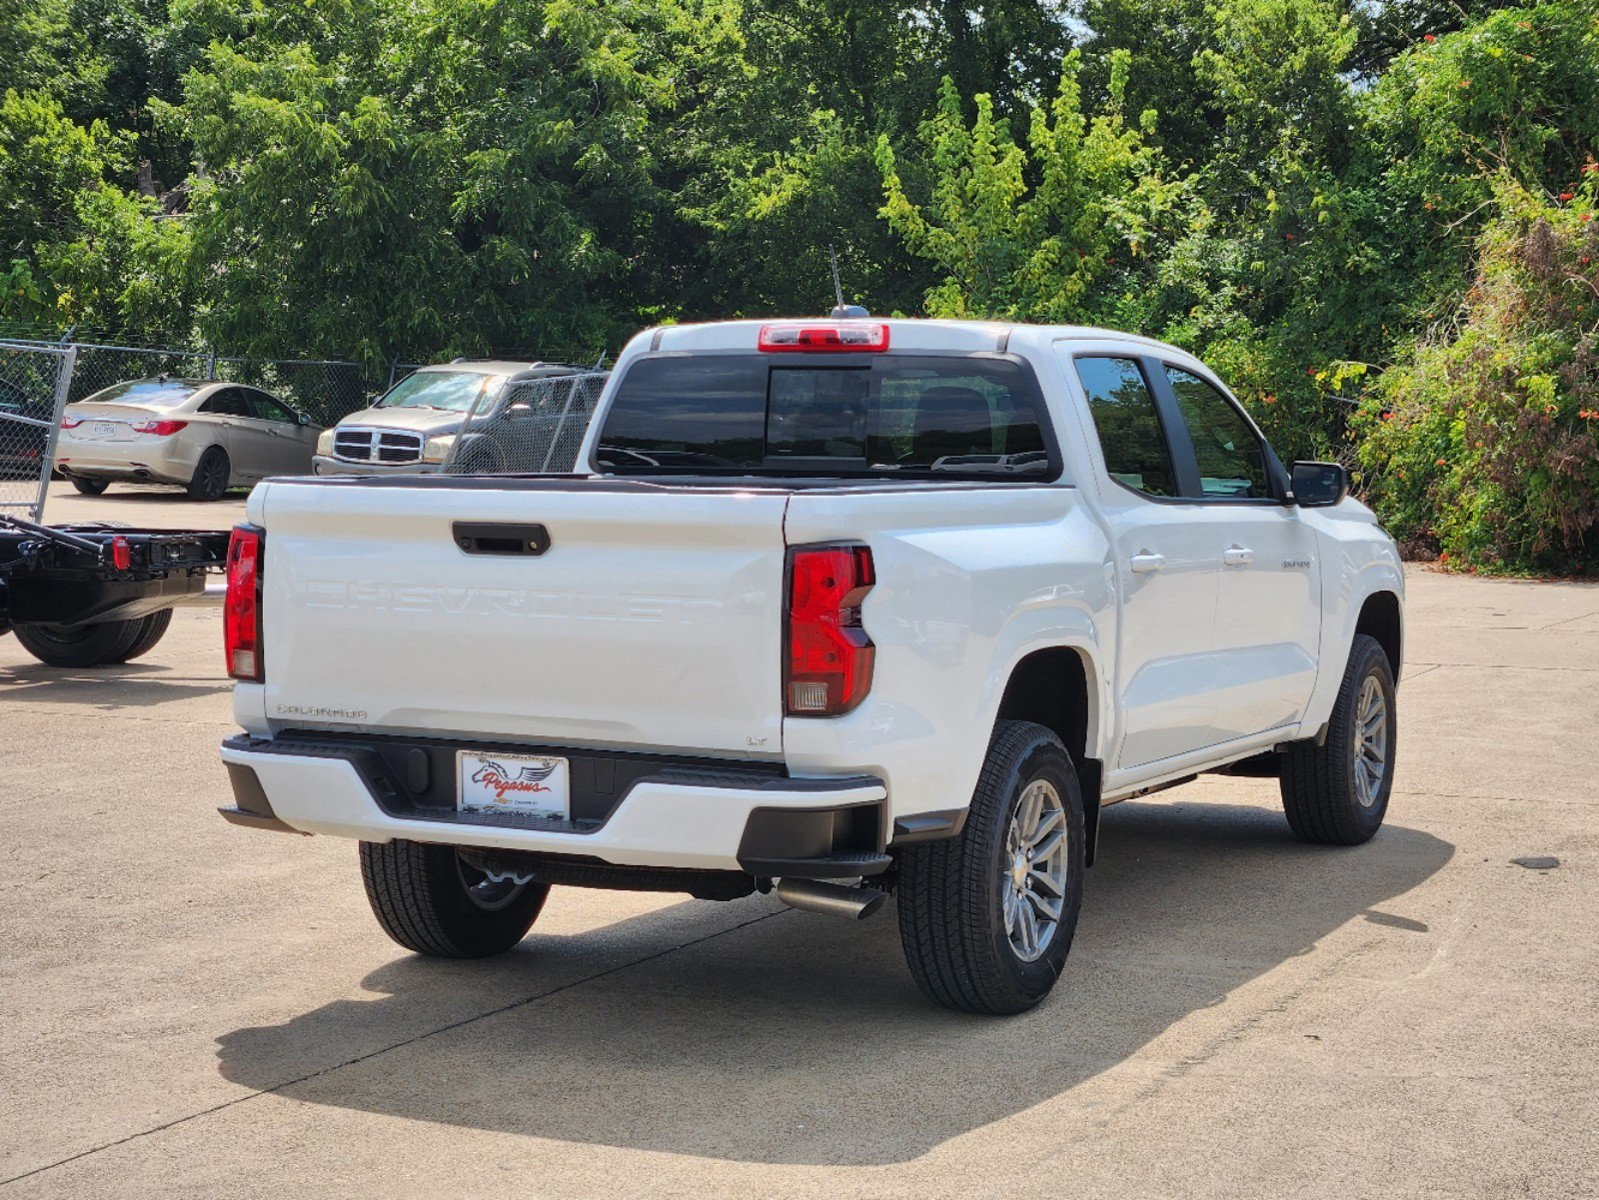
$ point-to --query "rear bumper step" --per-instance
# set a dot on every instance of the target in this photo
(627, 809)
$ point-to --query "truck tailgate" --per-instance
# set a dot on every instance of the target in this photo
(653, 620)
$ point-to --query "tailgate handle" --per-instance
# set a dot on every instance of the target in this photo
(497, 538)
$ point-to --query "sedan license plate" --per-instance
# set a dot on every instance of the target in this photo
(518, 783)
(105, 429)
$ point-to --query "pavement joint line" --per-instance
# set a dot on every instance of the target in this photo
(1566, 621)
(1586, 804)
(400, 1045)
(1184, 1065)
(1506, 667)
(1426, 669)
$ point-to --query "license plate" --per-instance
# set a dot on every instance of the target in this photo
(104, 429)
(518, 783)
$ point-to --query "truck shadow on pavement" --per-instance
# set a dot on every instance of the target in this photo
(136, 685)
(799, 1039)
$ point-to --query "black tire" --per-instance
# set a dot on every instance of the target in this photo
(211, 475)
(478, 454)
(953, 910)
(430, 901)
(1326, 795)
(95, 645)
(151, 630)
(90, 487)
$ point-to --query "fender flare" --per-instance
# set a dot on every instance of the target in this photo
(1371, 579)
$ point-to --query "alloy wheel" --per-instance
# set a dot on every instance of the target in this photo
(1033, 870)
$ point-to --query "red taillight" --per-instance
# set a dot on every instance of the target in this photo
(829, 657)
(829, 338)
(241, 611)
(159, 428)
(121, 554)
(71, 422)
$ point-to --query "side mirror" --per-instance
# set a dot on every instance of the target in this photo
(303, 418)
(1318, 484)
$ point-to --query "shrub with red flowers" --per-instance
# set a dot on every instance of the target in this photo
(1480, 437)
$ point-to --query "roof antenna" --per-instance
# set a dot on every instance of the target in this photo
(842, 311)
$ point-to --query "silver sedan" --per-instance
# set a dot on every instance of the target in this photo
(202, 435)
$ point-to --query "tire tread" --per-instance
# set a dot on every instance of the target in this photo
(1317, 781)
(945, 925)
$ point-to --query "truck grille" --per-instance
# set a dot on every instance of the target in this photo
(377, 446)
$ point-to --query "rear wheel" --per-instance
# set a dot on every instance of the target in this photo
(90, 487)
(80, 645)
(430, 900)
(211, 474)
(151, 630)
(986, 919)
(1337, 793)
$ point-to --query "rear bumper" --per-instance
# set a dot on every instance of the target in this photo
(658, 812)
(158, 460)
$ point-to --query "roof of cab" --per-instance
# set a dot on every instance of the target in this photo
(905, 333)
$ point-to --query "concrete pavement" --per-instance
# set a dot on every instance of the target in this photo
(192, 1008)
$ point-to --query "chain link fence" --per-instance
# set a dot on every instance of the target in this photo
(533, 425)
(34, 382)
(323, 389)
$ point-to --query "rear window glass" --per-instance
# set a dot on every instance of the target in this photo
(148, 393)
(894, 415)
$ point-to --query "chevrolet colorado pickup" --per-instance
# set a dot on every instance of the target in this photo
(844, 607)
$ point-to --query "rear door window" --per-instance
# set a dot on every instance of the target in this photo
(1137, 454)
(897, 415)
(229, 402)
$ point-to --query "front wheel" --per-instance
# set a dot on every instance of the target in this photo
(95, 645)
(987, 919)
(1337, 793)
(430, 900)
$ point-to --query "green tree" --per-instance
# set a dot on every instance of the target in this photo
(446, 176)
(1049, 229)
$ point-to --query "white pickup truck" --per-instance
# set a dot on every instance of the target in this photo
(848, 607)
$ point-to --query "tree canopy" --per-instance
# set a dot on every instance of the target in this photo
(1341, 206)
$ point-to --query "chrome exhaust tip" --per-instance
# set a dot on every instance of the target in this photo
(833, 899)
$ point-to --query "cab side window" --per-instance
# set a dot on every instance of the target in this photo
(1232, 464)
(1130, 433)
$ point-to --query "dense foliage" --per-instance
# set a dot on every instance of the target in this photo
(1371, 218)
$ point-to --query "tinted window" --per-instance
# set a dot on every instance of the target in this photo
(269, 409)
(695, 411)
(895, 414)
(1231, 463)
(229, 402)
(1129, 428)
(817, 414)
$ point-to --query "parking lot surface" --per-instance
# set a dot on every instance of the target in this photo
(196, 1009)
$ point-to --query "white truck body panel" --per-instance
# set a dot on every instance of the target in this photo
(655, 623)
(650, 623)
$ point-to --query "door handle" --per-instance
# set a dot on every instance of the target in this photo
(1237, 556)
(1145, 562)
